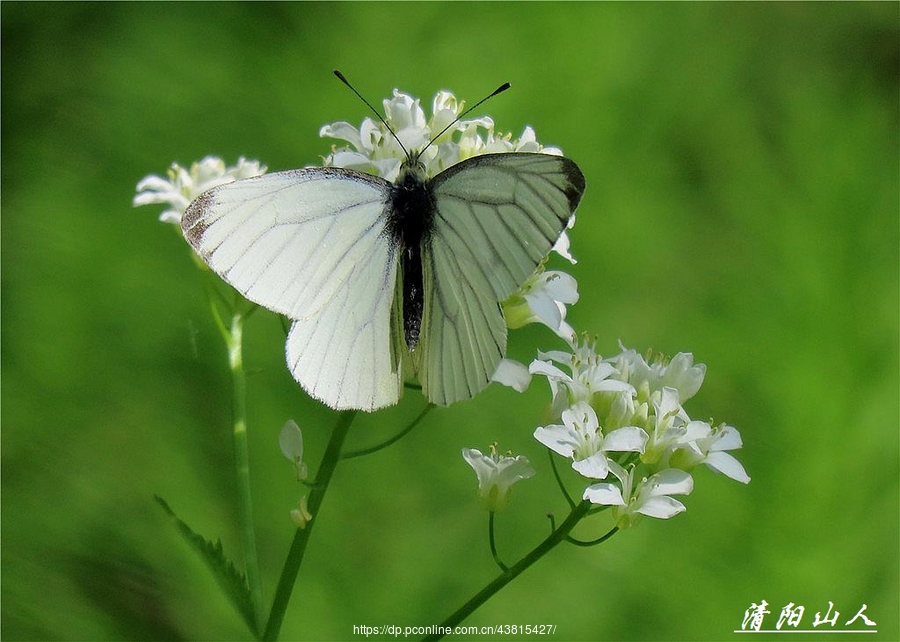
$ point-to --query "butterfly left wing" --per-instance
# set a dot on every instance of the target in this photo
(310, 244)
(497, 216)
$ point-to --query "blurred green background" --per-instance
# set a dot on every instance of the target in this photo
(742, 204)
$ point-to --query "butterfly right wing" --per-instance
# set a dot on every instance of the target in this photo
(497, 216)
(310, 244)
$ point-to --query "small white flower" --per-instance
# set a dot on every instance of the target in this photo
(496, 474)
(589, 376)
(301, 514)
(651, 496)
(543, 299)
(581, 439)
(667, 431)
(183, 186)
(704, 444)
(679, 373)
(290, 439)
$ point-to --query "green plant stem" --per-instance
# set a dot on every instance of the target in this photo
(371, 449)
(557, 536)
(559, 481)
(301, 537)
(503, 567)
(234, 342)
(593, 542)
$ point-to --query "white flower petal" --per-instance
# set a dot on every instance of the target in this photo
(511, 470)
(681, 374)
(171, 216)
(604, 494)
(151, 198)
(561, 286)
(545, 309)
(661, 507)
(728, 466)
(563, 245)
(560, 439)
(612, 385)
(538, 367)
(566, 332)
(695, 430)
(594, 467)
(154, 183)
(350, 159)
(558, 356)
(728, 439)
(513, 374)
(342, 131)
(628, 439)
(671, 481)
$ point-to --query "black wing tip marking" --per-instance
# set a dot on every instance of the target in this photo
(193, 223)
(575, 183)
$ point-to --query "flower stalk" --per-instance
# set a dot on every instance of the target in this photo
(511, 573)
(234, 343)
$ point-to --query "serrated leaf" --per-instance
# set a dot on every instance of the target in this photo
(232, 582)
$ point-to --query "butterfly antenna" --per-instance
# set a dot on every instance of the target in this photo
(498, 90)
(375, 111)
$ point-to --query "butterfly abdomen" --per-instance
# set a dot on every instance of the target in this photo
(410, 222)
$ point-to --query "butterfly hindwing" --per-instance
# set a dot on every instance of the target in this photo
(496, 217)
(344, 356)
(310, 244)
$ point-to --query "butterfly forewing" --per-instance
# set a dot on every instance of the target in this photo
(496, 217)
(289, 240)
(310, 244)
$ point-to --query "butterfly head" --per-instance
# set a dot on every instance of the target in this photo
(412, 170)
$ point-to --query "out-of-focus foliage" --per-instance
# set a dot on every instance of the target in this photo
(742, 204)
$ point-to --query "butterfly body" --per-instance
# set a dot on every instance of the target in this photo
(380, 277)
(410, 218)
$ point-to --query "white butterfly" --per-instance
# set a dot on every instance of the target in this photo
(380, 278)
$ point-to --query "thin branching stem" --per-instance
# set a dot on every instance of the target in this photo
(593, 542)
(371, 449)
(559, 481)
(557, 536)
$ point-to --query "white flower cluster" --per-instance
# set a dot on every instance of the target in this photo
(624, 416)
(374, 151)
(182, 185)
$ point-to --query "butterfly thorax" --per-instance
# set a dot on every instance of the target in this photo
(411, 215)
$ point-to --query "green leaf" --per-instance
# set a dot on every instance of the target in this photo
(230, 579)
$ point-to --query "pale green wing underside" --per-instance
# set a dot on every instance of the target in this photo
(497, 216)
